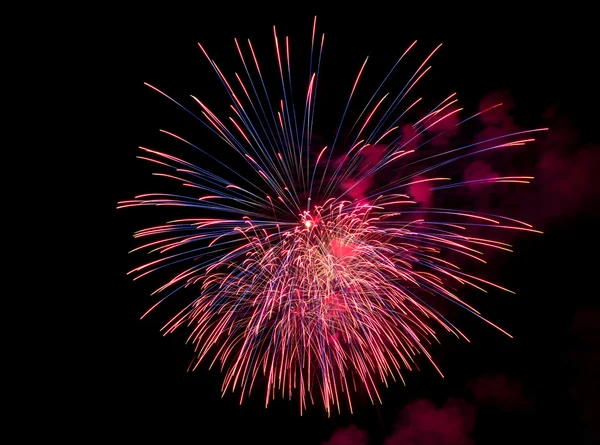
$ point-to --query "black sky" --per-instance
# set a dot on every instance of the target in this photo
(543, 61)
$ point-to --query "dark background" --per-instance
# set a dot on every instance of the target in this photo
(543, 61)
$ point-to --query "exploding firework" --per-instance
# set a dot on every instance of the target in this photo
(309, 276)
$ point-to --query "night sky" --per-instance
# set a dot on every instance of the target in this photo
(540, 387)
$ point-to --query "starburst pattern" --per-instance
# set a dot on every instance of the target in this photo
(303, 279)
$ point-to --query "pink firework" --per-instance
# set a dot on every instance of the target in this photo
(309, 275)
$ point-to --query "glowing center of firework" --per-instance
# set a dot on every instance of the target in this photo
(308, 220)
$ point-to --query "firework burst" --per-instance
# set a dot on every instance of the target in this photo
(300, 280)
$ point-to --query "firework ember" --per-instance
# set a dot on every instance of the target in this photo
(309, 276)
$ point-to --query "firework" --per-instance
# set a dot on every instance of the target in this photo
(307, 276)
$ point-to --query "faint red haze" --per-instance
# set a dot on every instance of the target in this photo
(422, 422)
(500, 390)
(443, 129)
(348, 436)
(421, 191)
(564, 171)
